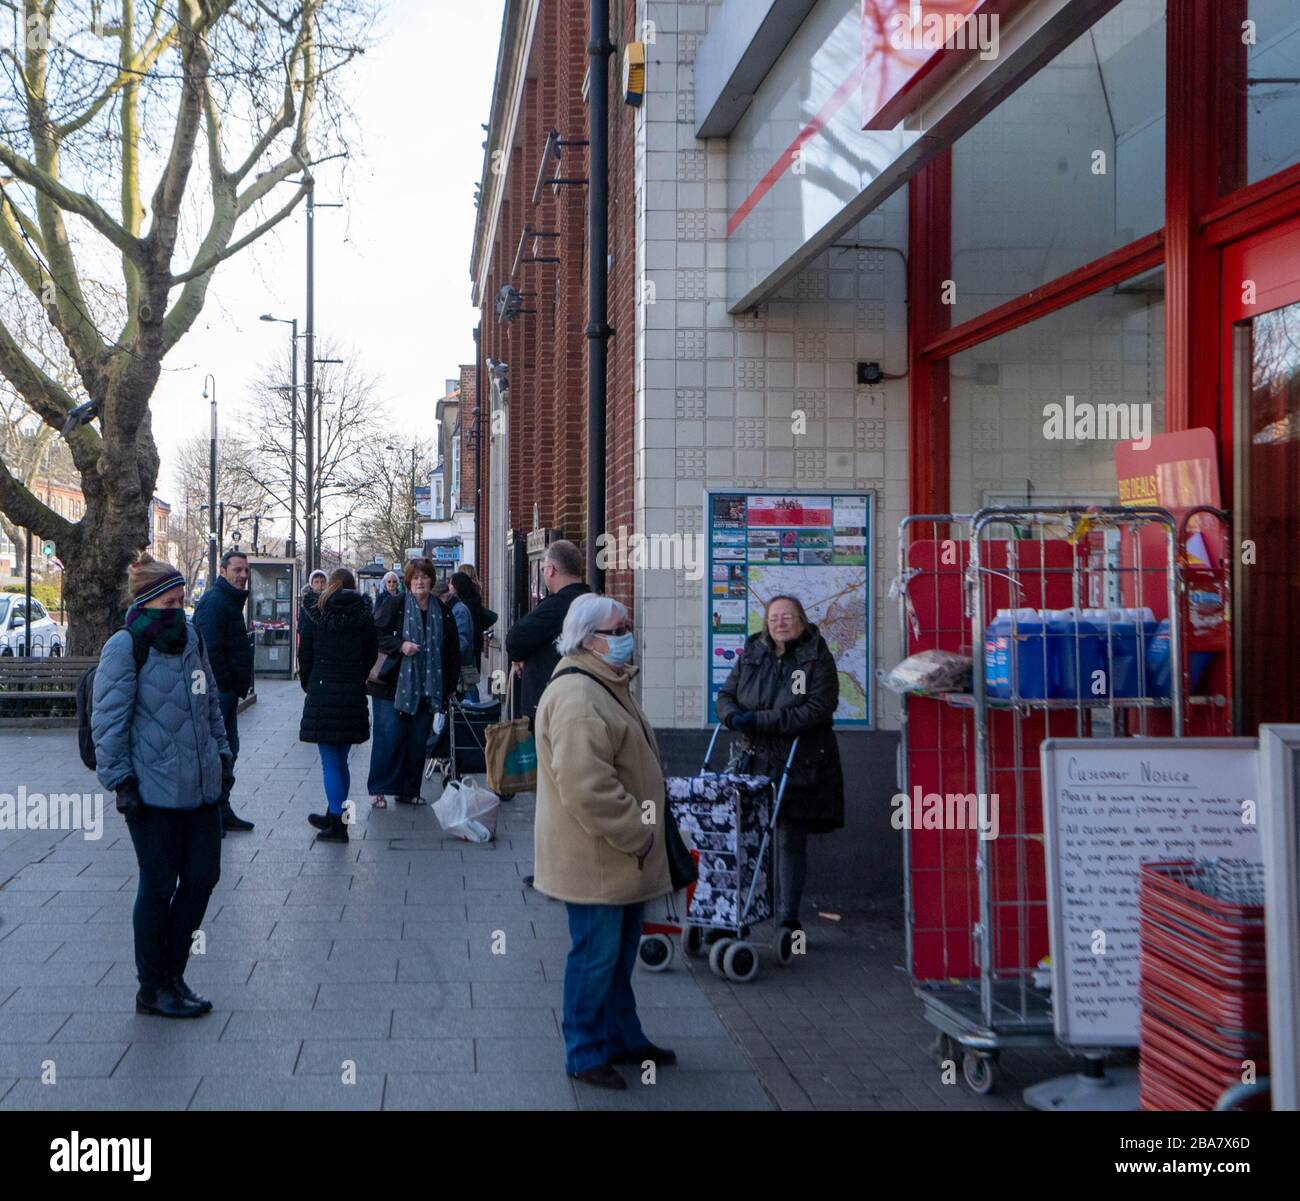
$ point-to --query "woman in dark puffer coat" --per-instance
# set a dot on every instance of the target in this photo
(336, 652)
(786, 684)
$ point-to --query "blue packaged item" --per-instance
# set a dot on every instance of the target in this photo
(1124, 637)
(1077, 647)
(1026, 664)
(1158, 667)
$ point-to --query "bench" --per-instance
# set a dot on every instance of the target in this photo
(52, 679)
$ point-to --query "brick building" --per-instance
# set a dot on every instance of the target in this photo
(533, 239)
(849, 274)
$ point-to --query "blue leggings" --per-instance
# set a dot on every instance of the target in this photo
(338, 780)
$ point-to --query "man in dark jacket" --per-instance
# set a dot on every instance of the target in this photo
(530, 642)
(219, 616)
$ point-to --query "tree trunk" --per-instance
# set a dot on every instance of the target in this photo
(94, 575)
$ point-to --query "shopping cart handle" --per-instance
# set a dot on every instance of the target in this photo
(717, 729)
(704, 770)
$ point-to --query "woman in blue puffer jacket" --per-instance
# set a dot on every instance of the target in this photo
(160, 744)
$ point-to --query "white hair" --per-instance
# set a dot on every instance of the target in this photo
(390, 575)
(587, 614)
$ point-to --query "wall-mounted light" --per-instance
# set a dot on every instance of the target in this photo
(634, 73)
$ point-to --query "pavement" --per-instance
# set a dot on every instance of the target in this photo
(406, 970)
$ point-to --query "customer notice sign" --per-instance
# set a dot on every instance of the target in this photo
(1110, 805)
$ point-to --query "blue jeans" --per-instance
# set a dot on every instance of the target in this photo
(397, 749)
(599, 1009)
(338, 780)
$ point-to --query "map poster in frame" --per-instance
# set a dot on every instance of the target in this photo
(816, 546)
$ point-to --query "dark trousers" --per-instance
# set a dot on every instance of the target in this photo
(230, 715)
(179, 853)
(792, 866)
(600, 1016)
(397, 745)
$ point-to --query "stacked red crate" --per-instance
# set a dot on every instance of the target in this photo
(1203, 982)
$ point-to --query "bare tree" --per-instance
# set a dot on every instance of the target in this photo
(220, 101)
(351, 420)
(189, 509)
(383, 520)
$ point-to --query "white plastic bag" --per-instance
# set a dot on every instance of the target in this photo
(467, 811)
(930, 672)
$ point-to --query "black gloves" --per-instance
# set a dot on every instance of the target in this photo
(743, 720)
(128, 798)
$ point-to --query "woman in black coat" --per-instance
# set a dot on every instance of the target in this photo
(336, 651)
(785, 684)
(416, 683)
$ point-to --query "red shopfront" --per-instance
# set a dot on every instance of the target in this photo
(1226, 267)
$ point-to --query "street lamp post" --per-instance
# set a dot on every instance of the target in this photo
(310, 500)
(320, 463)
(212, 482)
(292, 548)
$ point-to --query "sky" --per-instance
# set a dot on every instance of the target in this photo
(392, 266)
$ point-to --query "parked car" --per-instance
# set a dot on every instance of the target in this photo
(48, 636)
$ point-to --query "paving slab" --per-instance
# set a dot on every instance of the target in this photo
(385, 953)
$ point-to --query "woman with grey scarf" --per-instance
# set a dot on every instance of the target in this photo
(418, 638)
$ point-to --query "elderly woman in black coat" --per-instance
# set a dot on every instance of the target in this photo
(337, 649)
(785, 684)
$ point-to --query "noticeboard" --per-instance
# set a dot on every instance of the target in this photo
(815, 546)
(1110, 805)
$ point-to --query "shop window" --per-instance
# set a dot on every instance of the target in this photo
(1068, 168)
(1272, 88)
(1008, 447)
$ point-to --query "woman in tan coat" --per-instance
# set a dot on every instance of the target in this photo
(597, 840)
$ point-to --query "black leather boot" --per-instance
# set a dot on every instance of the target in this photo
(165, 1002)
(320, 820)
(337, 831)
(230, 820)
(178, 983)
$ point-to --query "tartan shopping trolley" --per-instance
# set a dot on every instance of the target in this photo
(728, 820)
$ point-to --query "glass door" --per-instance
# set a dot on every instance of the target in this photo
(1266, 437)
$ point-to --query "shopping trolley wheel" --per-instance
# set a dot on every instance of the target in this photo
(740, 961)
(716, 952)
(655, 952)
(692, 941)
(784, 946)
(977, 1071)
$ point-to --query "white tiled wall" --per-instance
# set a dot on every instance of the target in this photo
(715, 392)
(1108, 349)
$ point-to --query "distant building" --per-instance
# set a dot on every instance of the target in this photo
(448, 532)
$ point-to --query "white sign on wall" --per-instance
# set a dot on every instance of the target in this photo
(1110, 805)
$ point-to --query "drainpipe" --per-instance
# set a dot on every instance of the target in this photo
(598, 331)
(481, 428)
